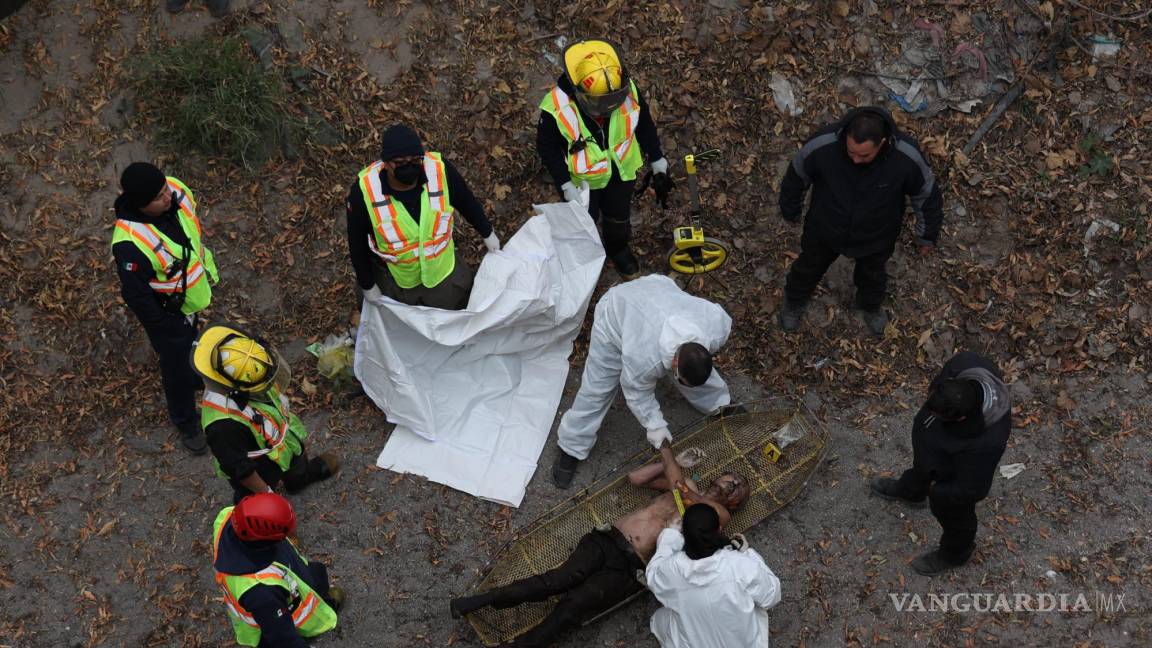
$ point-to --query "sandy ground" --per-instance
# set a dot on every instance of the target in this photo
(105, 534)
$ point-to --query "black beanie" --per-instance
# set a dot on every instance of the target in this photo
(141, 183)
(400, 141)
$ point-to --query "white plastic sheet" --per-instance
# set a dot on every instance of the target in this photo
(473, 393)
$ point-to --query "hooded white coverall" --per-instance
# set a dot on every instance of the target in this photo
(636, 331)
(716, 602)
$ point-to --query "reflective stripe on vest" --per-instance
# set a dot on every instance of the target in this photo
(303, 600)
(590, 162)
(272, 432)
(166, 256)
(416, 253)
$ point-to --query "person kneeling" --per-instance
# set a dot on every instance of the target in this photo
(602, 571)
(715, 591)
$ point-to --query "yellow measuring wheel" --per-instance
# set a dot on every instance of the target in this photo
(692, 252)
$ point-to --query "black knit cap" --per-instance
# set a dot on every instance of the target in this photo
(400, 141)
(141, 183)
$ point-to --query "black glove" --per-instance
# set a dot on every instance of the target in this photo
(662, 184)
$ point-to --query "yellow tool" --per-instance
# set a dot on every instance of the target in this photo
(694, 253)
(771, 452)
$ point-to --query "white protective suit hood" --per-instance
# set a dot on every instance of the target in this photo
(715, 602)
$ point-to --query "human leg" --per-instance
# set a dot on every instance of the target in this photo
(807, 271)
(595, 595)
(803, 277)
(870, 275)
(452, 293)
(586, 559)
(958, 524)
(180, 384)
(304, 470)
(616, 207)
(912, 485)
(598, 386)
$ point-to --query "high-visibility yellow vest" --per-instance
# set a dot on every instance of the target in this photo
(587, 161)
(310, 613)
(279, 433)
(174, 274)
(415, 253)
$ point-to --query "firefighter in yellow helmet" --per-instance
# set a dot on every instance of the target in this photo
(256, 440)
(594, 133)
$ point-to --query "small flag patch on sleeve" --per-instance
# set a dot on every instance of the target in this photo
(130, 266)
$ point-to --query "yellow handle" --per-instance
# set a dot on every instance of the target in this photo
(690, 164)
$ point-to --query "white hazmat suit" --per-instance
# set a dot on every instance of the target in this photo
(716, 602)
(636, 331)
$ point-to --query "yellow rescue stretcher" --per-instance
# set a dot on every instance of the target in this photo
(776, 445)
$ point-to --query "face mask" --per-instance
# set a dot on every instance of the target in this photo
(409, 174)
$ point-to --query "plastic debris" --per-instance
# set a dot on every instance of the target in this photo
(1104, 47)
(788, 435)
(1011, 470)
(334, 356)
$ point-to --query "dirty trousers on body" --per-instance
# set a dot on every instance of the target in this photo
(599, 573)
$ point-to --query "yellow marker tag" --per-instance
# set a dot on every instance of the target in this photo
(679, 501)
(772, 453)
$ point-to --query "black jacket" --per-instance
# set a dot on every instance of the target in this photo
(553, 148)
(961, 457)
(859, 209)
(360, 226)
(231, 441)
(268, 604)
(135, 271)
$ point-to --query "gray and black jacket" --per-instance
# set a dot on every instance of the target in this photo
(960, 458)
(859, 209)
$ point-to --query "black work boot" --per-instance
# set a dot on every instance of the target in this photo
(193, 438)
(626, 265)
(790, 317)
(336, 598)
(876, 320)
(934, 563)
(886, 488)
(175, 6)
(564, 469)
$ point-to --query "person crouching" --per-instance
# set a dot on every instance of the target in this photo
(715, 591)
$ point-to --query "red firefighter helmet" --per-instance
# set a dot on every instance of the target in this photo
(263, 516)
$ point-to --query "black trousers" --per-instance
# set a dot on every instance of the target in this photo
(870, 274)
(180, 381)
(600, 573)
(958, 521)
(614, 202)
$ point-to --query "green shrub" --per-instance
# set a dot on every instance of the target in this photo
(211, 94)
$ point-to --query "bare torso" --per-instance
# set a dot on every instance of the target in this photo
(643, 527)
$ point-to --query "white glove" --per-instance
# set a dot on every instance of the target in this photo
(373, 294)
(658, 436)
(581, 194)
(492, 242)
(660, 166)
